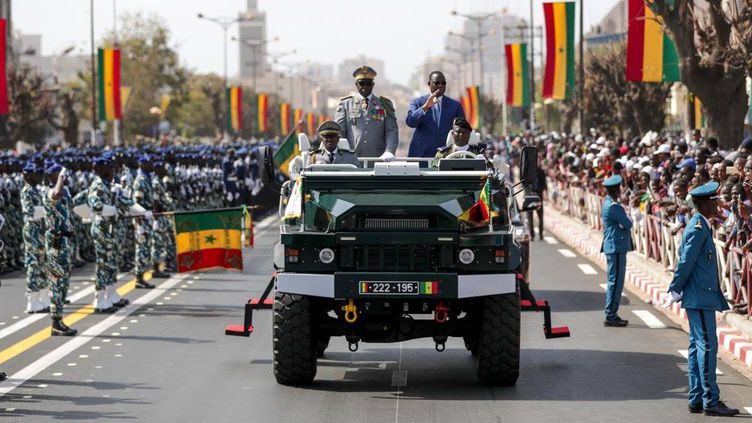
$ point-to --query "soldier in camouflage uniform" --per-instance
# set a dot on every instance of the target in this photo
(104, 200)
(143, 195)
(33, 231)
(126, 229)
(162, 202)
(57, 202)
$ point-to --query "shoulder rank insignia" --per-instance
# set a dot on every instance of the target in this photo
(345, 98)
(387, 105)
(698, 225)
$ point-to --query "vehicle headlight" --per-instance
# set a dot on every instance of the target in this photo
(326, 255)
(466, 256)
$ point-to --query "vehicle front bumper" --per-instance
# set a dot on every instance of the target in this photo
(342, 285)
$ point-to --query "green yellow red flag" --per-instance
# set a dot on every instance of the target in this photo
(209, 239)
(518, 79)
(263, 112)
(651, 54)
(558, 77)
(110, 107)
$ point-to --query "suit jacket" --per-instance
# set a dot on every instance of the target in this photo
(696, 273)
(370, 132)
(617, 237)
(428, 135)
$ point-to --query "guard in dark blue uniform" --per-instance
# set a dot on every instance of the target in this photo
(696, 284)
(617, 241)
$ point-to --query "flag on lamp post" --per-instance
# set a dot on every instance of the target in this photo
(473, 98)
(263, 112)
(110, 107)
(558, 77)
(651, 55)
(518, 80)
(4, 102)
(297, 117)
(234, 109)
(310, 124)
(285, 118)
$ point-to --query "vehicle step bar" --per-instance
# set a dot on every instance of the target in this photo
(529, 303)
(260, 303)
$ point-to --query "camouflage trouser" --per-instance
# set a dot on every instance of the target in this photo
(161, 239)
(34, 257)
(144, 237)
(102, 232)
(172, 254)
(58, 272)
(126, 238)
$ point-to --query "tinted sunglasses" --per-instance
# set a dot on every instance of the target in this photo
(438, 82)
(365, 83)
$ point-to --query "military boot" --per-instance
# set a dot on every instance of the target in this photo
(61, 329)
(158, 273)
(101, 304)
(113, 297)
(141, 283)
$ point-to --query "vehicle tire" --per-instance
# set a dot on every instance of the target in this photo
(294, 342)
(499, 341)
(322, 342)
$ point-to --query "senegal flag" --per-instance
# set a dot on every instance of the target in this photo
(108, 61)
(482, 210)
(287, 151)
(209, 239)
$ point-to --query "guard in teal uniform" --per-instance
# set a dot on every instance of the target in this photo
(617, 241)
(696, 284)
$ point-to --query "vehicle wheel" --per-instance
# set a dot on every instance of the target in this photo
(499, 340)
(294, 343)
(322, 342)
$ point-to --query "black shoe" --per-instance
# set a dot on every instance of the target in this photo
(695, 408)
(142, 284)
(618, 322)
(60, 329)
(720, 409)
(2, 376)
(41, 311)
(160, 275)
(79, 264)
(106, 310)
(122, 303)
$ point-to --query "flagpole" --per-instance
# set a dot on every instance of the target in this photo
(504, 92)
(532, 69)
(93, 81)
(116, 122)
(581, 105)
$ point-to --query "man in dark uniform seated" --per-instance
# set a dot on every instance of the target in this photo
(460, 134)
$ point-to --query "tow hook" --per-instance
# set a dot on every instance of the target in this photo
(440, 343)
(440, 312)
(351, 312)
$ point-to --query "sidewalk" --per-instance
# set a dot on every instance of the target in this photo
(649, 281)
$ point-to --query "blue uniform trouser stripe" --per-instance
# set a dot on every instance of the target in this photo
(616, 269)
(702, 358)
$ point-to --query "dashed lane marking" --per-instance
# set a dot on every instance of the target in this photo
(36, 317)
(685, 354)
(567, 253)
(604, 286)
(649, 319)
(587, 269)
(97, 329)
(551, 240)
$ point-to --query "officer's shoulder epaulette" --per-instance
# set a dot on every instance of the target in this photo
(698, 225)
(345, 98)
(444, 149)
(386, 103)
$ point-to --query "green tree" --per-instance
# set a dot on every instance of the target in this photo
(32, 105)
(202, 114)
(712, 63)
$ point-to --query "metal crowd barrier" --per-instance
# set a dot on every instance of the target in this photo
(655, 241)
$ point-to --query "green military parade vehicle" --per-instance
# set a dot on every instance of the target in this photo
(396, 252)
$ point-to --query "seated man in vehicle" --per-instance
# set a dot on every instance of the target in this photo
(460, 133)
(330, 152)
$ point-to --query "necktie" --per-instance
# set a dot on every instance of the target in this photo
(365, 103)
(331, 157)
(437, 113)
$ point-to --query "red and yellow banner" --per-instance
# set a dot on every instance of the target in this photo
(558, 78)
(285, 118)
(473, 99)
(518, 80)
(698, 119)
(263, 112)
(310, 124)
(322, 119)
(110, 107)
(465, 102)
(651, 55)
(209, 239)
(297, 117)
(4, 101)
(234, 109)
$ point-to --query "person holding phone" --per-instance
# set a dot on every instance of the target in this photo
(431, 116)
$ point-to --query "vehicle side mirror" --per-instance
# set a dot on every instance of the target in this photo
(266, 164)
(531, 202)
(529, 165)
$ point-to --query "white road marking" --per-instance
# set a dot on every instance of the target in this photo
(123, 327)
(105, 340)
(83, 356)
(587, 269)
(133, 321)
(71, 364)
(604, 286)
(748, 410)
(685, 354)
(551, 240)
(649, 319)
(10, 410)
(27, 397)
(567, 253)
(60, 352)
(36, 317)
(57, 374)
(96, 347)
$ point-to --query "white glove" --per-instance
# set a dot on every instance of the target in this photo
(387, 156)
(669, 298)
(39, 213)
(137, 210)
(149, 215)
(155, 225)
(108, 211)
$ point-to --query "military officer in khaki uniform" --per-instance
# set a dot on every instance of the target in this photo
(329, 151)
(368, 121)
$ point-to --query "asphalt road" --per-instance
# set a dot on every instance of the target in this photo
(166, 359)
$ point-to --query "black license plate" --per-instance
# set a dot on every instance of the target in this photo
(389, 287)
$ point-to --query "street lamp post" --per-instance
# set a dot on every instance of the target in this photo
(275, 60)
(253, 44)
(225, 23)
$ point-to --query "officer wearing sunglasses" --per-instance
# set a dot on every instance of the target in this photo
(367, 120)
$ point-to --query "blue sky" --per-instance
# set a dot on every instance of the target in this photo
(401, 32)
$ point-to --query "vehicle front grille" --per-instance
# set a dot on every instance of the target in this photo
(399, 258)
(396, 224)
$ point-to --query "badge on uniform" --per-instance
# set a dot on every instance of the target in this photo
(378, 113)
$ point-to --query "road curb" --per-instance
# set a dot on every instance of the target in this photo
(643, 282)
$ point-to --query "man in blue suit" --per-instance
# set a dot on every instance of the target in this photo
(431, 115)
(696, 284)
(617, 241)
